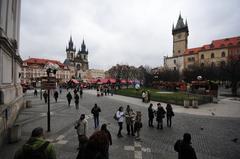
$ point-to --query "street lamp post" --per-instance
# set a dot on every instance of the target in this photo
(50, 68)
(48, 112)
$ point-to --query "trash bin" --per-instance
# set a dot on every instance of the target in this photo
(195, 103)
(186, 103)
(28, 104)
(14, 133)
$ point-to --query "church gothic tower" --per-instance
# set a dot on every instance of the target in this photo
(70, 50)
(180, 37)
(77, 60)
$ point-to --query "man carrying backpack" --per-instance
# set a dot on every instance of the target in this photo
(184, 148)
(36, 147)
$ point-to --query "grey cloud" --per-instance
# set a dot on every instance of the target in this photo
(137, 32)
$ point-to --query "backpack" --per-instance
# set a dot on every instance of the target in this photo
(38, 153)
(177, 145)
(115, 116)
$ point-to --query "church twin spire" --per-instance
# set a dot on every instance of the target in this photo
(70, 47)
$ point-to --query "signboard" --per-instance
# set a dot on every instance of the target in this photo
(48, 82)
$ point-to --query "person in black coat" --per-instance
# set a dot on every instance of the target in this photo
(69, 98)
(184, 148)
(105, 130)
(45, 95)
(55, 96)
(150, 115)
(81, 92)
(160, 115)
(95, 111)
(76, 97)
(170, 114)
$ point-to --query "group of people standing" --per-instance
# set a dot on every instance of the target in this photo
(104, 90)
(160, 114)
(133, 121)
(97, 145)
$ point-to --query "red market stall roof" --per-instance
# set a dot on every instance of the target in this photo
(123, 81)
(74, 81)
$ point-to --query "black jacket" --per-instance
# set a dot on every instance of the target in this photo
(185, 150)
(95, 111)
(160, 113)
(150, 113)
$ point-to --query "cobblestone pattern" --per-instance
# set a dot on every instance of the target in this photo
(211, 136)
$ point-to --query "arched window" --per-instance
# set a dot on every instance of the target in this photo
(202, 56)
(212, 55)
(223, 54)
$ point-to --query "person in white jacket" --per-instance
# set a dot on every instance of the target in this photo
(81, 127)
(120, 116)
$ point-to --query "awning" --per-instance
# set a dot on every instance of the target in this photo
(74, 81)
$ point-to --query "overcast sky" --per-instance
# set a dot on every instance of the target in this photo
(134, 32)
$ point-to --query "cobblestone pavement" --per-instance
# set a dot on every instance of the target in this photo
(211, 136)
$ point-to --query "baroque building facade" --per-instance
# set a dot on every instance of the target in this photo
(77, 61)
(33, 69)
(214, 54)
(11, 95)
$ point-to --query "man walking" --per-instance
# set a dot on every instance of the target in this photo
(76, 97)
(36, 147)
(81, 127)
(184, 148)
(95, 111)
(69, 98)
(55, 96)
(45, 95)
(81, 92)
(160, 115)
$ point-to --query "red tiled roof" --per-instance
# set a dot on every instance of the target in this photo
(43, 62)
(193, 50)
(216, 44)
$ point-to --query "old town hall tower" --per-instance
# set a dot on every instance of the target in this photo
(180, 37)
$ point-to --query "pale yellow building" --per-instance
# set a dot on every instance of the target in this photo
(214, 54)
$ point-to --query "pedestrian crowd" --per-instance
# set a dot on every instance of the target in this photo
(97, 145)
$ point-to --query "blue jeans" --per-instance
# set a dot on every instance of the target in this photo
(96, 121)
